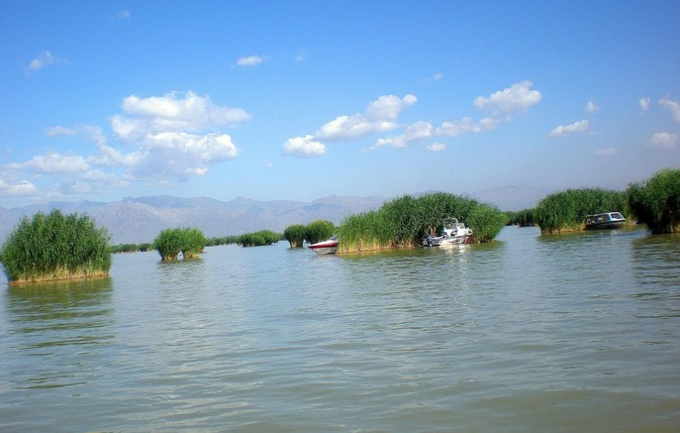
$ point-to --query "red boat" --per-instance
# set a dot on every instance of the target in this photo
(328, 246)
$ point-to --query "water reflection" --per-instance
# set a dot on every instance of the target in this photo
(656, 266)
(64, 319)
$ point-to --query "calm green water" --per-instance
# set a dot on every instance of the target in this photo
(565, 333)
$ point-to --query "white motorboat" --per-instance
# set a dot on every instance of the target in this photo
(454, 233)
(605, 221)
(328, 246)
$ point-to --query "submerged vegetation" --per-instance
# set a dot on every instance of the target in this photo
(566, 211)
(170, 242)
(55, 247)
(656, 201)
(403, 222)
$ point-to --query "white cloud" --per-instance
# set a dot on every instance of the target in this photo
(508, 102)
(663, 140)
(609, 151)
(464, 126)
(501, 105)
(576, 127)
(591, 107)
(673, 106)
(165, 141)
(305, 147)
(23, 188)
(165, 129)
(250, 61)
(173, 155)
(414, 132)
(52, 163)
(644, 103)
(123, 14)
(436, 147)
(43, 60)
(176, 112)
(380, 116)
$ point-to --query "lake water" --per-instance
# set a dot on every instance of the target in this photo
(565, 333)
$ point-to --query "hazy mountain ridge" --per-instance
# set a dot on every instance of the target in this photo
(140, 219)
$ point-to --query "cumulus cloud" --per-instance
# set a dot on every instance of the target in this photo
(508, 102)
(501, 106)
(415, 132)
(168, 138)
(673, 106)
(168, 134)
(305, 147)
(172, 112)
(22, 188)
(663, 140)
(52, 163)
(574, 128)
(250, 61)
(591, 107)
(380, 116)
(43, 60)
(174, 155)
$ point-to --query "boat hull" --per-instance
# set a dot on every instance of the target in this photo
(325, 247)
(607, 225)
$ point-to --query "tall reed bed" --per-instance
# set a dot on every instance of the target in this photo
(170, 242)
(566, 211)
(295, 235)
(404, 221)
(54, 246)
(656, 201)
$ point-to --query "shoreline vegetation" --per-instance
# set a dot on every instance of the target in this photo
(57, 247)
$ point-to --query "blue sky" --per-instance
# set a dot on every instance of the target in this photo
(299, 100)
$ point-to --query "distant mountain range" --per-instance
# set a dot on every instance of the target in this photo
(140, 219)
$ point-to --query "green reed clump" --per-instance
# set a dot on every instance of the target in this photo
(188, 241)
(169, 243)
(319, 230)
(566, 211)
(404, 221)
(256, 239)
(55, 246)
(522, 218)
(656, 201)
(194, 242)
(295, 235)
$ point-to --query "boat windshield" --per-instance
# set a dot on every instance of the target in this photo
(617, 216)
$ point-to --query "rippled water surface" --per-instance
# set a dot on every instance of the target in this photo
(565, 333)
